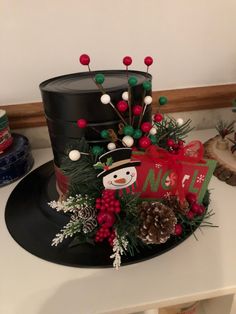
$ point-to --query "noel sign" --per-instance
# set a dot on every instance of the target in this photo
(162, 174)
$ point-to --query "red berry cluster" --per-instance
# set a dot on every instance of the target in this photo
(105, 233)
(174, 147)
(108, 202)
(196, 209)
(108, 206)
(111, 237)
(178, 229)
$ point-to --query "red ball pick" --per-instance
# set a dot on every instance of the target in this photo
(137, 110)
(122, 106)
(84, 59)
(82, 123)
(144, 142)
(148, 61)
(170, 142)
(127, 61)
(158, 117)
(146, 126)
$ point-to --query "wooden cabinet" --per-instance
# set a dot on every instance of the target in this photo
(219, 305)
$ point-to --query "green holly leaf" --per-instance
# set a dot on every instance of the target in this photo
(109, 161)
(99, 165)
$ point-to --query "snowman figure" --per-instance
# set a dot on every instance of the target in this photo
(119, 170)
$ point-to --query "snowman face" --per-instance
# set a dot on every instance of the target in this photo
(120, 179)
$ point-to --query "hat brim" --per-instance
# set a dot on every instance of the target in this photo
(133, 163)
(33, 225)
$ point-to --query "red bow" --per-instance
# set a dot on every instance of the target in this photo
(192, 153)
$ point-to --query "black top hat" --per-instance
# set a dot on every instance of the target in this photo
(29, 218)
(117, 159)
(70, 97)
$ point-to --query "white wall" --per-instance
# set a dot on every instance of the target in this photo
(193, 41)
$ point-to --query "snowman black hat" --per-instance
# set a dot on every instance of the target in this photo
(120, 158)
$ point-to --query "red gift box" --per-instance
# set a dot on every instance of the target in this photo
(162, 173)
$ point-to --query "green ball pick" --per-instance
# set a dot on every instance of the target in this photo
(128, 130)
(137, 134)
(97, 150)
(153, 139)
(147, 85)
(99, 78)
(104, 134)
(163, 100)
(132, 81)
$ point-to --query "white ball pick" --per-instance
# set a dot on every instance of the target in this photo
(180, 121)
(111, 146)
(153, 131)
(74, 155)
(147, 100)
(128, 141)
(125, 96)
(105, 99)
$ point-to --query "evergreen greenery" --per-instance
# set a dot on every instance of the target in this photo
(83, 176)
(224, 128)
(169, 128)
(197, 221)
(128, 221)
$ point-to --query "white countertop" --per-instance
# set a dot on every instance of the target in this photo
(193, 270)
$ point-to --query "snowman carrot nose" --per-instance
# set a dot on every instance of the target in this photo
(120, 181)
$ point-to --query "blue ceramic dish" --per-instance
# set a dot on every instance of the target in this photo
(16, 161)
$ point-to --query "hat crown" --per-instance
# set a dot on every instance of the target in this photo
(116, 155)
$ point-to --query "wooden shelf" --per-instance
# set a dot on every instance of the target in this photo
(186, 99)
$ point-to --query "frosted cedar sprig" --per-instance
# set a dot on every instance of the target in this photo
(72, 204)
(82, 220)
(69, 230)
(75, 226)
(119, 248)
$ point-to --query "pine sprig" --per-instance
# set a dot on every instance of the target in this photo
(169, 128)
(82, 174)
(198, 221)
(224, 128)
(128, 221)
(129, 201)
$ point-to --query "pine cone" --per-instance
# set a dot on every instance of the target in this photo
(89, 225)
(173, 202)
(158, 222)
